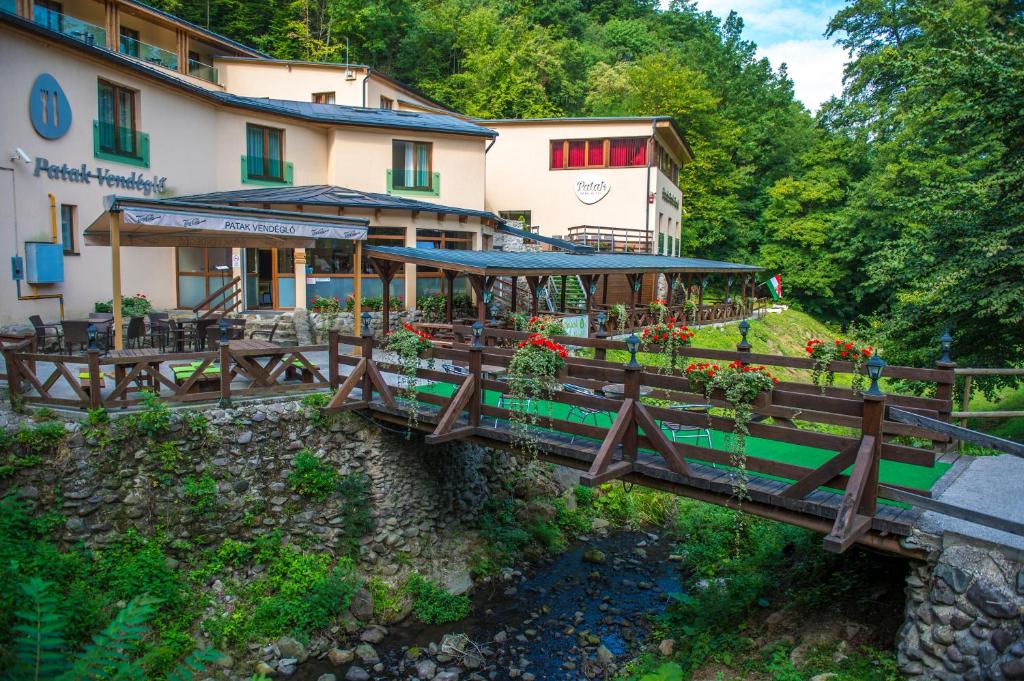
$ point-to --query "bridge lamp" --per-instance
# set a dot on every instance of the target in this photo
(601, 319)
(946, 344)
(633, 344)
(478, 332)
(223, 326)
(875, 365)
(92, 336)
(495, 310)
(744, 330)
(367, 329)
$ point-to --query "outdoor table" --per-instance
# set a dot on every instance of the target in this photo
(618, 390)
(120, 370)
(259, 373)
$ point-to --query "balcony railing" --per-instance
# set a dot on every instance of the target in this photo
(90, 34)
(201, 70)
(612, 239)
(148, 53)
(122, 145)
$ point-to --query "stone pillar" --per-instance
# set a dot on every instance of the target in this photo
(964, 612)
(300, 278)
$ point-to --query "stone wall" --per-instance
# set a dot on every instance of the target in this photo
(422, 498)
(964, 613)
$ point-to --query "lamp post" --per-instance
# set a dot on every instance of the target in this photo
(366, 330)
(601, 319)
(91, 331)
(945, 345)
(478, 332)
(633, 344)
(875, 366)
(744, 345)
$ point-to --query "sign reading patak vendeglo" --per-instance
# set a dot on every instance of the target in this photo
(226, 223)
(105, 179)
(591, 188)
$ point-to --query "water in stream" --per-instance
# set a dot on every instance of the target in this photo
(550, 621)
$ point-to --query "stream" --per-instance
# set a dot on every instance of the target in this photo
(572, 616)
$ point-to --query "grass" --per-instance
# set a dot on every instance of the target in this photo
(1005, 399)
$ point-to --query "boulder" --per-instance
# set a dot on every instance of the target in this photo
(338, 656)
(289, 647)
(362, 605)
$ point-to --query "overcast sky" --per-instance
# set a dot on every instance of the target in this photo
(791, 32)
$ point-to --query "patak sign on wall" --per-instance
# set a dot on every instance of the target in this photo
(591, 188)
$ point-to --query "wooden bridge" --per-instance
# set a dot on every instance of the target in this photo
(858, 468)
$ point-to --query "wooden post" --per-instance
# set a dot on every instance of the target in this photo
(604, 291)
(332, 358)
(533, 283)
(366, 334)
(601, 354)
(514, 300)
(700, 302)
(13, 376)
(476, 375)
(115, 270)
(357, 289)
(874, 411)
(225, 374)
(95, 379)
(944, 391)
(631, 391)
(479, 284)
(449, 302)
(966, 401)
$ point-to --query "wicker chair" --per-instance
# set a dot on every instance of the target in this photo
(45, 332)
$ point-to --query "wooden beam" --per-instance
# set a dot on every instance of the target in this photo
(822, 475)
(357, 289)
(351, 381)
(623, 420)
(451, 414)
(676, 463)
(850, 524)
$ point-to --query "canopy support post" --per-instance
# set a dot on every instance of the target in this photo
(115, 270)
(513, 304)
(357, 289)
(449, 303)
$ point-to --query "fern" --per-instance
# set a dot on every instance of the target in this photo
(107, 657)
(193, 664)
(39, 643)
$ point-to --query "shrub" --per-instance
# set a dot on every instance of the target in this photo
(354, 509)
(434, 308)
(312, 477)
(432, 604)
(387, 601)
(155, 417)
(314, 404)
(201, 493)
(131, 306)
(40, 439)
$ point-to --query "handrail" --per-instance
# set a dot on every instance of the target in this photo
(207, 300)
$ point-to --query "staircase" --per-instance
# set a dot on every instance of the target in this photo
(574, 296)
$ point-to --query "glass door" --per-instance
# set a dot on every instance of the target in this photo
(269, 278)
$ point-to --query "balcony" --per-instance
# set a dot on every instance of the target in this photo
(148, 53)
(90, 34)
(612, 239)
(200, 70)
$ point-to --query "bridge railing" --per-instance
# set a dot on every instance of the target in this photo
(629, 439)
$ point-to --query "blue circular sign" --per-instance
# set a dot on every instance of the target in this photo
(48, 108)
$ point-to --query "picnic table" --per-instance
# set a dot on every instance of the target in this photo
(121, 369)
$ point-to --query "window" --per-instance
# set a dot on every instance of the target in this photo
(661, 243)
(49, 14)
(263, 147)
(599, 153)
(117, 120)
(323, 98)
(666, 163)
(523, 217)
(386, 102)
(410, 165)
(200, 272)
(67, 228)
(129, 42)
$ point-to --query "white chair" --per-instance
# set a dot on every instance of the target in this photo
(455, 370)
(679, 431)
(583, 413)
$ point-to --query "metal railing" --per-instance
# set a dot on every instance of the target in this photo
(90, 34)
(201, 70)
(148, 53)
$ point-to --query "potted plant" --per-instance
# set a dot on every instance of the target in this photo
(617, 316)
(670, 337)
(658, 309)
(411, 345)
(534, 375)
(546, 325)
(840, 350)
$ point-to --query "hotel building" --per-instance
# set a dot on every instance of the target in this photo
(107, 97)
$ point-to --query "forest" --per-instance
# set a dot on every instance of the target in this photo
(898, 208)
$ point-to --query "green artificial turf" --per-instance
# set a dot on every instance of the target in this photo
(890, 472)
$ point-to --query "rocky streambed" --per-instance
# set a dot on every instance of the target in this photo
(578, 615)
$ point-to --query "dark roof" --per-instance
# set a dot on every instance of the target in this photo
(549, 240)
(331, 114)
(338, 114)
(198, 29)
(550, 262)
(329, 195)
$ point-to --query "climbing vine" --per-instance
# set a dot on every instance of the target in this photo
(409, 343)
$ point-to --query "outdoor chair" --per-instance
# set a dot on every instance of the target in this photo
(159, 330)
(678, 431)
(136, 332)
(179, 335)
(269, 335)
(583, 413)
(455, 370)
(213, 335)
(201, 328)
(75, 333)
(45, 332)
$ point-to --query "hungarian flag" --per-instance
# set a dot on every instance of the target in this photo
(775, 286)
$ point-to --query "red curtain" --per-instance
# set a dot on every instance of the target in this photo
(596, 155)
(577, 154)
(630, 151)
(557, 155)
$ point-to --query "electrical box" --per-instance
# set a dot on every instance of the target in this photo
(17, 268)
(44, 262)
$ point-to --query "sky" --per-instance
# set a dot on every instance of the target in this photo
(792, 33)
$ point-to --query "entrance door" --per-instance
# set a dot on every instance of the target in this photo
(269, 278)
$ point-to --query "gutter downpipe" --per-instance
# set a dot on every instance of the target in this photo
(53, 236)
(647, 194)
(366, 78)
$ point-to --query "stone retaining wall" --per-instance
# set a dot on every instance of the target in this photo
(964, 614)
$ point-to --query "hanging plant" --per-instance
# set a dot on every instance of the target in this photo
(840, 350)
(546, 325)
(533, 376)
(617, 316)
(658, 309)
(410, 344)
(671, 337)
(739, 385)
(690, 310)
